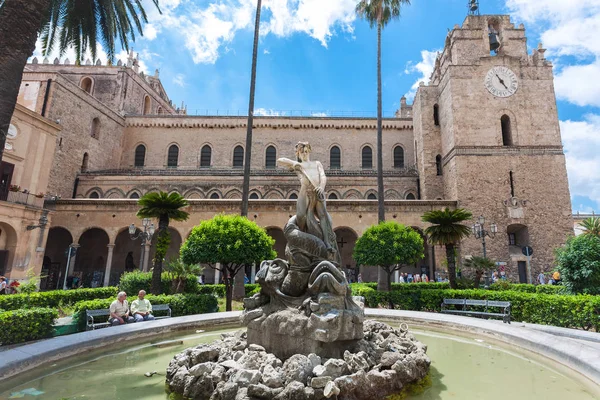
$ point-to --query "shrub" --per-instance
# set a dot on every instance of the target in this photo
(54, 298)
(181, 304)
(24, 325)
(579, 264)
(133, 282)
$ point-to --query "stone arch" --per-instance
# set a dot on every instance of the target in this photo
(255, 195)
(392, 194)
(346, 239)
(371, 194)
(174, 246)
(206, 155)
(90, 263)
(271, 151)
(425, 265)
(280, 241)
(139, 155)
(172, 155)
(335, 156)
(194, 194)
(87, 84)
(175, 190)
(410, 196)
(291, 193)
(237, 155)
(134, 192)
(274, 194)
(398, 156)
(146, 105)
(366, 156)
(56, 256)
(214, 194)
(233, 194)
(115, 193)
(9, 239)
(153, 190)
(512, 119)
(352, 194)
(160, 110)
(96, 189)
(334, 195)
(122, 260)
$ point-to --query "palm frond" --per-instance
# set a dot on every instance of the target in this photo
(591, 226)
(155, 205)
(380, 12)
(446, 225)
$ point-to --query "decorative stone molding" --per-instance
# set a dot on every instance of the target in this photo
(502, 151)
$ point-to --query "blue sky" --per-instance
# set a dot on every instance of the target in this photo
(316, 56)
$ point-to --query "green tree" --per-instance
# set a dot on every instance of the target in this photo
(446, 230)
(248, 150)
(179, 271)
(66, 23)
(390, 246)
(379, 13)
(480, 265)
(579, 264)
(165, 207)
(230, 240)
(591, 226)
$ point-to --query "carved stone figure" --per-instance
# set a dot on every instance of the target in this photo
(305, 304)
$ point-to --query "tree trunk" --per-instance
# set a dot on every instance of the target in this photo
(381, 280)
(389, 287)
(451, 265)
(20, 23)
(228, 289)
(477, 282)
(248, 151)
(380, 194)
(163, 226)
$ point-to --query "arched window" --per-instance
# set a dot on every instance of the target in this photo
(398, 157)
(436, 115)
(333, 196)
(335, 159)
(87, 84)
(94, 195)
(293, 196)
(134, 195)
(95, 131)
(159, 110)
(147, 105)
(367, 158)
(205, 156)
(85, 162)
(506, 131)
(140, 156)
(253, 196)
(173, 156)
(214, 196)
(238, 157)
(410, 196)
(271, 157)
(438, 165)
(371, 196)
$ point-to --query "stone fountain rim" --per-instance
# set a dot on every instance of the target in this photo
(572, 348)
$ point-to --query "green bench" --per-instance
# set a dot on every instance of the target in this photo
(473, 308)
(91, 314)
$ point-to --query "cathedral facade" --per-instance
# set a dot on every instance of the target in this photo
(482, 135)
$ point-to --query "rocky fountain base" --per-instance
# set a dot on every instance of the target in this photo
(382, 363)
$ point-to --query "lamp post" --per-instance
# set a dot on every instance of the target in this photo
(480, 232)
(145, 235)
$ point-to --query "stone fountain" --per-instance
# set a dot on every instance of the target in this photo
(306, 335)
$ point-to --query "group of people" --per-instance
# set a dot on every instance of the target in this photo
(6, 288)
(122, 313)
(553, 278)
(410, 278)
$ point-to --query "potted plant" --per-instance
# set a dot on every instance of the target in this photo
(40, 195)
(14, 188)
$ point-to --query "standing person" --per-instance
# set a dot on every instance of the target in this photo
(556, 277)
(410, 278)
(141, 308)
(417, 278)
(402, 278)
(119, 311)
(541, 278)
(359, 280)
(2, 285)
(495, 277)
(424, 278)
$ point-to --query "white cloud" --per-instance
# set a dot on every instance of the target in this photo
(581, 141)
(424, 68)
(264, 112)
(179, 80)
(266, 51)
(578, 84)
(150, 32)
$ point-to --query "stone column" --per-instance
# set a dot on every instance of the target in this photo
(141, 264)
(109, 258)
(431, 253)
(217, 273)
(71, 266)
(253, 274)
(146, 256)
(397, 276)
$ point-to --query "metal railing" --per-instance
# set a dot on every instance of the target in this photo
(207, 112)
(27, 199)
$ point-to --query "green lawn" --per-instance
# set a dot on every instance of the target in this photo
(235, 305)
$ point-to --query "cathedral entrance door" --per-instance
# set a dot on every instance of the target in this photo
(522, 272)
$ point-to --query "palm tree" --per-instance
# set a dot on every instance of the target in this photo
(447, 230)
(68, 23)
(591, 226)
(380, 13)
(180, 271)
(248, 152)
(480, 265)
(165, 207)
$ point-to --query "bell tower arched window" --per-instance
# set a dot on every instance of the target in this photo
(85, 162)
(87, 84)
(238, 157)
(367, 158)
(335, 161)
(140, 156)
(507, 139)
(173, 156)
(95, 131)
(436, 115)
(438, 165)
(398, 157)
(147, 105)
(205, 156)
(271, 157)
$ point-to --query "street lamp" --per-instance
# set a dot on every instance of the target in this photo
(145, 235)
(480, 232)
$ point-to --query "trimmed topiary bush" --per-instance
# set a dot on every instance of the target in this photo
(24, 325)
(54, 298)
(579, 264)
(133, 282)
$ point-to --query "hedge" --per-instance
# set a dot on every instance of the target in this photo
(54, 298)
(529, 288)
(219, 290)
(181, 304)
(568, 311)
(25, 325)
(133, 282)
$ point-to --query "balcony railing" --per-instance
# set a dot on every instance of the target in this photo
(26, 199)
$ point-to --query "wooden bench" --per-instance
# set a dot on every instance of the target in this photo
(91, 314)
(468, 305)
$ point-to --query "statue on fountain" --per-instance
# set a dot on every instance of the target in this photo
(305, 304)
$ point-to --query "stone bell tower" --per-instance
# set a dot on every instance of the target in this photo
(487, 135)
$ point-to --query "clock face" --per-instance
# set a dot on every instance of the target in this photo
(12, 132)
(501, 82)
